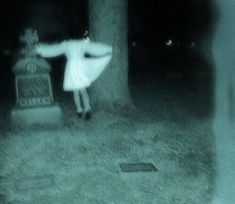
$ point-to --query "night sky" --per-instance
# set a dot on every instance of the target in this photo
(182, 20)
(151, 24)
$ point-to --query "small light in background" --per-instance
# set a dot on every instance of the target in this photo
(192, 44)
(169, 42)
(133, 44)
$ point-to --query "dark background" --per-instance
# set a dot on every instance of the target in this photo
(151, 24)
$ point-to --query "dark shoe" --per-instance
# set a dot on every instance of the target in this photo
(79, 114)
(88, 115)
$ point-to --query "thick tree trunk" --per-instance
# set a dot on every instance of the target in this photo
(108, 24)
(224, 123)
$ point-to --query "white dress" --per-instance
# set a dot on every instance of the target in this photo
(80, 71)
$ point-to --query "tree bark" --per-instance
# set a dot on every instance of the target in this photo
(224, 123)
(108, 24)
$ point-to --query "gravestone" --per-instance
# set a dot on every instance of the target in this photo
(34, 97)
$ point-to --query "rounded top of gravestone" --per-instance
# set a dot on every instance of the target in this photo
(31, 65)
(29, 62)
(29, 39)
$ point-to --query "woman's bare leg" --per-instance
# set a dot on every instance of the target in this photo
(77, 101)
(86, 103)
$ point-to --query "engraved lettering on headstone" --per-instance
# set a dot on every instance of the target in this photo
(33, 90)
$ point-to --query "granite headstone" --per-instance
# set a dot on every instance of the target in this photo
(34, 97)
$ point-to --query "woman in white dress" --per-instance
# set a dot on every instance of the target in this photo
(80, 71)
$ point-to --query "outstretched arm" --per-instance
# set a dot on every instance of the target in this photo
(97, 49)
(47, 50)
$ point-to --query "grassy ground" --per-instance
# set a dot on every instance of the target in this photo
(84, 157)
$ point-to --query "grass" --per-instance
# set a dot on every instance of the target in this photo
(84, 157)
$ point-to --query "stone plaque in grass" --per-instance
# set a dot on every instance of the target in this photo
(137, 167)
(36, 182)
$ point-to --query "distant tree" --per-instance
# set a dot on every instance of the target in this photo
(108, 23)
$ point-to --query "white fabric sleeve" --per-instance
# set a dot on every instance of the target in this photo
(97, 49)
(95, 66)
(50, 50)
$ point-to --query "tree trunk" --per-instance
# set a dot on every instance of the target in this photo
(224, 123)
(108, 24)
